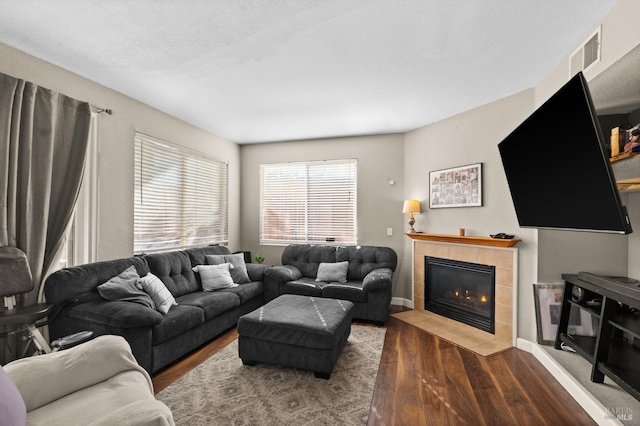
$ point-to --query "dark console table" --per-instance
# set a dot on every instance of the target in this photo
(611, 352)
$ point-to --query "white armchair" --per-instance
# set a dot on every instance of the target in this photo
(96, 383)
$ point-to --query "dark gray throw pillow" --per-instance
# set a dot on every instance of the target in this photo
(123, 287)
(238, 273)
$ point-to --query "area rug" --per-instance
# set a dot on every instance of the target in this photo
(222, 391)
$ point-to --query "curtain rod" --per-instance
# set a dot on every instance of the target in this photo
(100, 110)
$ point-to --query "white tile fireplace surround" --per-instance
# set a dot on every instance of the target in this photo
(480, 250)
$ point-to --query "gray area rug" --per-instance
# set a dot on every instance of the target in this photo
(222, 391)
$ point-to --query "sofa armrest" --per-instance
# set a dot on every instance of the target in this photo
(256, 271)
(116, 313)
(283, 274)
(377, 279)
(147, 412)
(46, 378)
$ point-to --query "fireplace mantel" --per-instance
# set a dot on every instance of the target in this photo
(459, 239)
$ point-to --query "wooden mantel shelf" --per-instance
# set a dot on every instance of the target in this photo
(457, 239)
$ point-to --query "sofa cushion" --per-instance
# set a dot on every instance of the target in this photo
(247, 291)
(116, 314)
(78, 284)
(215, 277)
(197, 255)
(124, 287)
(12, 408)
(333, 272)
(307, 258)
(239, 271)
(212, 303)
(179, 319)
(351, 290)
(174, 269)
(303, 286)
(364, 259)
(160, 294)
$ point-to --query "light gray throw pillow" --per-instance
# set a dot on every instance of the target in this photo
(123, 287)
(215, 277)
(333, 272)
(239, 271)
(159, 292)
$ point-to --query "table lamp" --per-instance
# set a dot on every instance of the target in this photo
(411, 207)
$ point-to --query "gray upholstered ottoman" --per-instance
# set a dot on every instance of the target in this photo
(296, 331)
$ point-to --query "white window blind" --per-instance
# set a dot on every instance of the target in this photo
(181, 197)
(309, 202)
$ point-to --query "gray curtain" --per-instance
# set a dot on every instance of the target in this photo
(43, 142)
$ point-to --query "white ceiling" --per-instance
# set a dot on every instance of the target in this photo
(272, 70)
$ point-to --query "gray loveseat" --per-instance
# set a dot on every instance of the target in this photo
(156, 340)
(369, 274)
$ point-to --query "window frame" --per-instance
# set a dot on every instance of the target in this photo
(311, 226)
(188, 211)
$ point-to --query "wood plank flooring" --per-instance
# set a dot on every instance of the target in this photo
(424, 380)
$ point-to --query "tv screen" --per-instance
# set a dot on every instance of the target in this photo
(558, 170)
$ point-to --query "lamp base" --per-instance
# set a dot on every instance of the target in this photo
(411, 222)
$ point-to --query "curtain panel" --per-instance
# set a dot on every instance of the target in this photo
(43, 142)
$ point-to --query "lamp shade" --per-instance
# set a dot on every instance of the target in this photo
(411, 206)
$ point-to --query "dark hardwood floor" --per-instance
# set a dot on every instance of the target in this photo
(424, 380)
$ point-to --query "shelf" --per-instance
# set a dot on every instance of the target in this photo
(627, 322)
(595, 310)
(583, 345)
(622, 368)
(458, 239)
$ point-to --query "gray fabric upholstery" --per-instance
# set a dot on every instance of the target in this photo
(307, 257)
(369, 277)
(175, 270)
(115, 313)
(78, 284)
(311, 322)
(296, 331)
(155, 340)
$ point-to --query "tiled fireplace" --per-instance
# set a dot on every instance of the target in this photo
(502, 260)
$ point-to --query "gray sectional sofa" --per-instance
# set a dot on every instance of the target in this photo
(365, 280)
(156, 339)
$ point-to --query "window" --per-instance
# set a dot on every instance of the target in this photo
(81, 245)
(180, 197)
(311, 202)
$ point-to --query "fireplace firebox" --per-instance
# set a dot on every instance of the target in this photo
(462, 291)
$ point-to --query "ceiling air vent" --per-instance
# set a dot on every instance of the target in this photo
(587, 55)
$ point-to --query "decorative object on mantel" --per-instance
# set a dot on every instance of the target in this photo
(471, 240)
(456, 187)
(411, 207)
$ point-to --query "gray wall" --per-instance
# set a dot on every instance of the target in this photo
(570, 252)
(115, 227)
(380, 159)
(472, 137)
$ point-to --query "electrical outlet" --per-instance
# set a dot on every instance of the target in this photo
(389, 231)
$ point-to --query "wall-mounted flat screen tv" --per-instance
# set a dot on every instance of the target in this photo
(557, 168)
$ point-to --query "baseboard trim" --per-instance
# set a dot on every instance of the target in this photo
(400, 301)
(583, 397)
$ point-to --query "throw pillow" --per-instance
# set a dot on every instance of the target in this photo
(239, 271)
(332, 272)
(123, 287)
(12, 407)
(215, 277)
(159, 292)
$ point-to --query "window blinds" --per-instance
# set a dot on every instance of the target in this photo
(180, 197)
(310, 202)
